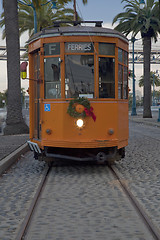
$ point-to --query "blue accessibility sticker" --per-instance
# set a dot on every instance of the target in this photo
(47, 107)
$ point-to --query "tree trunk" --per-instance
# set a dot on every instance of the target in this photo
(147, 83)
(14, 123)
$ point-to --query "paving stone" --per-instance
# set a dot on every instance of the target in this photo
(9, 144)
(17, 188)
(90, 207)
(83, 201)
(141, 167)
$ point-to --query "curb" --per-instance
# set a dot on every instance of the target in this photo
(6, 162)
(154, 124)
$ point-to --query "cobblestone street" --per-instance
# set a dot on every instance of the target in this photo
(17, 188)
(84, 201)
(141, 167)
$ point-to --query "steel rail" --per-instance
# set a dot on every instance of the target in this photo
(139, 209)
(25, 224)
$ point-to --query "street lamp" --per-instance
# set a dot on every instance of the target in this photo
(142, 4)
(53, 8)
(134, 113)
(158, 120)
(34, 10)
(34, 13)
(153, 90)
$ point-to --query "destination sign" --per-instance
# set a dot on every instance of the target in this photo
(52, 49)
(79, 47)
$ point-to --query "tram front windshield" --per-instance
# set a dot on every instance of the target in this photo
(79, 76)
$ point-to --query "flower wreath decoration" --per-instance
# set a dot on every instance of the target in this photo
(80, 107)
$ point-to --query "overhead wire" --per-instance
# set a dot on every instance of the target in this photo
(87, 30)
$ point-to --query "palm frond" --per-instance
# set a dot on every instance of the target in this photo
(134, 19)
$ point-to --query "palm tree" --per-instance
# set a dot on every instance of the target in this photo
(154, 79)
(75, 11)
(14, 123)
(147, 22)
(44, 14)
(45, 17)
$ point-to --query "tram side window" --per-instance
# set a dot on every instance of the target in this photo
(120, 81)
(107, 49)
(120, 55)
(79, 76)
(106, 77)
(125, 58)
(52, 78)
(125, 84)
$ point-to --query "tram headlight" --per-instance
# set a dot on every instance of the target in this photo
(80, 123)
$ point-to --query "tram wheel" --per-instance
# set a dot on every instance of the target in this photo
(101, 158)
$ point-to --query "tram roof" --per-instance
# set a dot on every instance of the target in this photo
(78, 30)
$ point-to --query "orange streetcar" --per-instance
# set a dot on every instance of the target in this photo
(78, 93)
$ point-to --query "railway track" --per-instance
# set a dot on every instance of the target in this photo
(133, 201)
(27, 220)
(145, 218)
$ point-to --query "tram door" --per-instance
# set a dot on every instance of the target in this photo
(36, 97)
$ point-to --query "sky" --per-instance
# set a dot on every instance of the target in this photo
(102, 10)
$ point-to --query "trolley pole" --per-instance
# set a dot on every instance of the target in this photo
(134, 113)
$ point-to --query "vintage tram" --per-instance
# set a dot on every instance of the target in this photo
(78, 92)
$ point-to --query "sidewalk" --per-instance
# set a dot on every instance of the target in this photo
(147, 121)
(11, 148)
(10, 143)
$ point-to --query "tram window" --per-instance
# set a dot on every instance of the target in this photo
(52, 78)
(125, 83)
(125, 58)
(106, 77)
(120, 81)
(79, 76)
(107, 49)
(120, 55)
